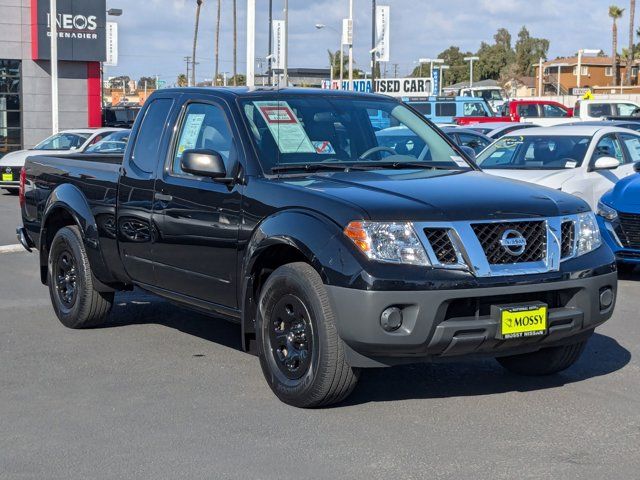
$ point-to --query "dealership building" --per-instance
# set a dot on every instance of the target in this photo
(25, 79)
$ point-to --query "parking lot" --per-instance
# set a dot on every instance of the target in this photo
(161, 392)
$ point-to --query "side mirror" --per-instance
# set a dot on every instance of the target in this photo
(471, 153)
(203, 163)
(606, 163)
(636, 167)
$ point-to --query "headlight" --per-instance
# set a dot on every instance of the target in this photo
(607, 212)
(588, 233)
(393, 242)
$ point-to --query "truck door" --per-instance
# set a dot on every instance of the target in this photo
(198, 219)
(135, 225)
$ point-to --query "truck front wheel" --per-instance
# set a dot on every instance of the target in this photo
(75, 300)
(546, 361)
(301, 354)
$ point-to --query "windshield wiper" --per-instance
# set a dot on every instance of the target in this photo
(315, 167)
(401, 165)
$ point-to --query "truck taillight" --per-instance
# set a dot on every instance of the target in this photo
(23, 181)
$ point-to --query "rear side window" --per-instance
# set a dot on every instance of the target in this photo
(600, 109)
(553, 111)
(528, 110)
(473, 109)
(626, 109)
(445, 109)
(147, 142)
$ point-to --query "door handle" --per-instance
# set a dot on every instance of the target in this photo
(161, 197)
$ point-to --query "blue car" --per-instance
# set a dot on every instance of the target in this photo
(619, 220)
(443, 110)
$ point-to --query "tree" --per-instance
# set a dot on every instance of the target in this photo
(120, 83)
(458, 68)
(334, 61)
(238, 79)
(630, 54)
(494, 58)
(150, 81)
(528, 51)
(615, 13)
(182, 80)
(195, 41)
(217, 47)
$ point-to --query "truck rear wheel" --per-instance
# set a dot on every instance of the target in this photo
(546, 361)
(301, 354)
(75, 300)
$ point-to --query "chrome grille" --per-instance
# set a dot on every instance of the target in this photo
(568, 232)
(441, 244)
(629, 229)
(490, 235)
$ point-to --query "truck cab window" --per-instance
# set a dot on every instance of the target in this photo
(145, 151)
(204, 127)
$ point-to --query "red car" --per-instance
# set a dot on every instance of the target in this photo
(516, 110)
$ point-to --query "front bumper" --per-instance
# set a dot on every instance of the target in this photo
(623, 254)
(448, 323)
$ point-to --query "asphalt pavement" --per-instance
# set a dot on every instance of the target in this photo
(162, 393)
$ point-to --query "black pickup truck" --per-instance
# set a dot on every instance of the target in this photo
(340, 230)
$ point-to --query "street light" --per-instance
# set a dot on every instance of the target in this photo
(430, 61)
(114, 12)
(581, 52)
(471, 60)
(320, 26)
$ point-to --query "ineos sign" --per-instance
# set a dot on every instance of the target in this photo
(81, 30)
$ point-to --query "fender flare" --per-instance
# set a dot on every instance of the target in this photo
(315, 237)
(69, 198)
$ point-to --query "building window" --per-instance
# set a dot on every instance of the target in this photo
(608, 71)
(10, 107)
(634, 71)
(584, 70)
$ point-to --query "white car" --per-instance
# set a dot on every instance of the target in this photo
(582, 160)
(496, 130)
(63, 143)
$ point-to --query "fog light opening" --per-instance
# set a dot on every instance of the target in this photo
(391, 319)
(606, 298)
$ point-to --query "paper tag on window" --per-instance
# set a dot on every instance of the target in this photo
(459, 161)
(190, 132)
(283, 124)
(570, 164)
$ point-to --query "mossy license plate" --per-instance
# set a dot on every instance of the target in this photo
(7, 177)
(520, 320)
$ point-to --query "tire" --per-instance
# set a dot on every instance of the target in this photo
(75, 300)
(547, 361)
(301, 354)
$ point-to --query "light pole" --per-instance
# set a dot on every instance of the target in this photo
(320, 26)
(581, 52)
(251, 43)
(53, 27)
(471, 60)
(351, 45)
(285, 74)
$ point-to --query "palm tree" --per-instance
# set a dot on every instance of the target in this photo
(632, 12)
(195, 42)
(182, 80)
(217, 50)
(235, 43)
(615, 13)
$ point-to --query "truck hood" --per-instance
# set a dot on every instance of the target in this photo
(625, 196)
(548, 178)
(427, 195)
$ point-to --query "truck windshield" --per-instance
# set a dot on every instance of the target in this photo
(329, 132)
(535, 152)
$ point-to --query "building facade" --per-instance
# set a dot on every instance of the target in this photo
(25, 78)
(596, 74)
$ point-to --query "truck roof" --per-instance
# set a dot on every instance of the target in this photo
(235, 92)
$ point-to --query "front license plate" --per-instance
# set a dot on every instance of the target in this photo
(521, 320)
(7, 177)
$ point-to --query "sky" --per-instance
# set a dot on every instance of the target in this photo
(155, 35)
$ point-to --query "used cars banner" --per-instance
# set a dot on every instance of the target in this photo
(397, 87)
